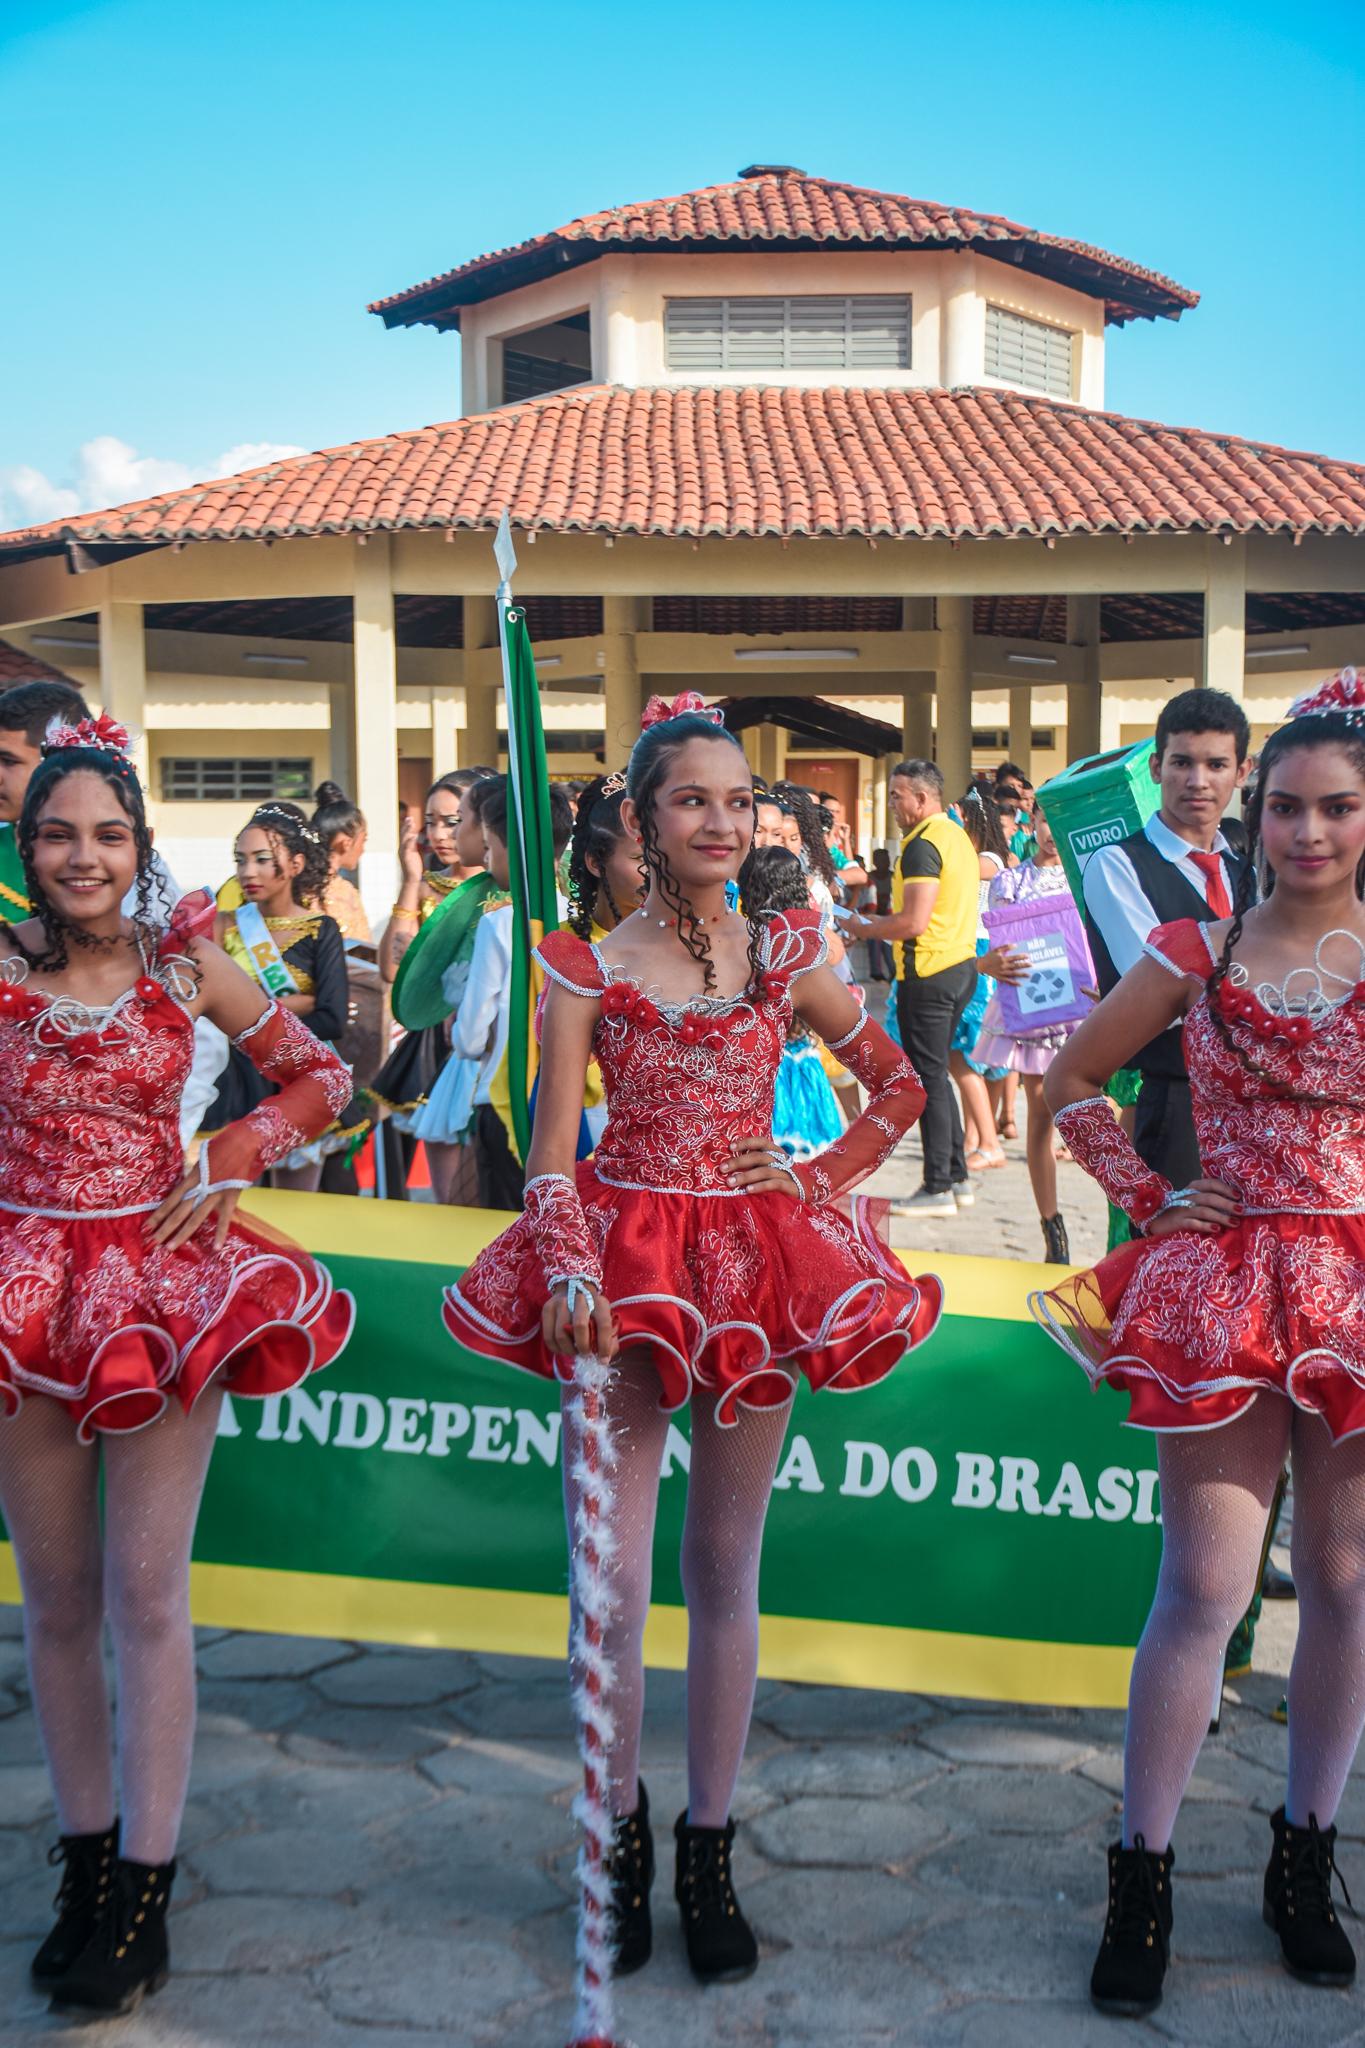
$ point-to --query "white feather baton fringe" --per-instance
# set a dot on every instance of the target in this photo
(594, 1545)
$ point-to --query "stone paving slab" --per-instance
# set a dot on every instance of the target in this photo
(919, 1871)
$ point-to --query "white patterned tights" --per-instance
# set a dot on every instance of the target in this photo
(136, 1573)
(1216, 1490)
(729, 1485)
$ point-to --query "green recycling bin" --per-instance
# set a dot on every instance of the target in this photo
(1097, 802)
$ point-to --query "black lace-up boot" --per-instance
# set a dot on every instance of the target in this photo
(1056, 1243)
(87, 1873)
(127, 1956)
(720, 1942)
(1131, 1965)
(1298, 1902)
(630, 1866)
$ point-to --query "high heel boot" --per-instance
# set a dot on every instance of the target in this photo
(720, 1941)
(1298, 1902)
(630, 1866)
(1131, 1965)
(127, 1957)
(87, 1873)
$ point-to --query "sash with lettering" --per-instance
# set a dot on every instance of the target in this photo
(267, 963)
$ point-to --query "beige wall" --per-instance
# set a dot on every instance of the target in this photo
(624, 295)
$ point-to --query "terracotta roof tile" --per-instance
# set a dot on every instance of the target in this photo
(16, 666)
(790, 210)
(695, 461)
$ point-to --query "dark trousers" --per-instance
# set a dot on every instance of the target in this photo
(1163, 1130)
(929, 1009)
(501, 1178)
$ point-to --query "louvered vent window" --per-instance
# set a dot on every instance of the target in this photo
(754, 335)
(223, 779)
(1028, 353)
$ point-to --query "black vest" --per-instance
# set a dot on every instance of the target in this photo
(1172, 896)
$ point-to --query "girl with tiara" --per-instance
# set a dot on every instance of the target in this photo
(706, 1266)
(132, 1297)
(278, 936)
(1235, 1322)
(452, 866)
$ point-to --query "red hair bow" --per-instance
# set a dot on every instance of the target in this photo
(659, 708)
(104, 734)
(1345, 691)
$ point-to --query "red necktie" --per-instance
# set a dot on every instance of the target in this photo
(1210, 865)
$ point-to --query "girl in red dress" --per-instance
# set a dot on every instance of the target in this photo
(1236, 1324)
(130, 1296)
(693, 1253)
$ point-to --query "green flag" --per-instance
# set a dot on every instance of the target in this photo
(531, 857)
(14, 903)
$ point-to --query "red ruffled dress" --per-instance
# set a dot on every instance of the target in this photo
(1193, 1327)
(93, 1314)
(733, 1293)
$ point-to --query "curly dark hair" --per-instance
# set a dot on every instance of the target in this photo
(1320, 729)
(649, 759)
(289, 825)
(597, 831)
(981, 823)
(774, 879)
(803, 807)
(121, 778)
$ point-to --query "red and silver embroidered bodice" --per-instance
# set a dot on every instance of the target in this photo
(686, 1082)
(1278, 1152)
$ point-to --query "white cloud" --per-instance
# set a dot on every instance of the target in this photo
(107, 471)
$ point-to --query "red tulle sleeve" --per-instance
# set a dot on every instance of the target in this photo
(312, 1088)
(1097, 1141)
(571, 962)
(1182, 947)
(192, 918)
(895, 1100)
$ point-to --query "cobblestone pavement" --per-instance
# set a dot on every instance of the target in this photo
(378, 1848)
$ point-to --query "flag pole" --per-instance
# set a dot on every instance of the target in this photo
(593, 1540)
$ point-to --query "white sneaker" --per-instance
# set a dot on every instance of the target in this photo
(923, 1203)
(964, 1194)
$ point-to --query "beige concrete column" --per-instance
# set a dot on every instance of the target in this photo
(953, 695)
(123, 676)
(879, 801)
(341, 712)
(1083, 708)
(1021, 727)
(478, 747)
(622, 695)
(445, 698)
(917, 717)
(376, 722)
(770, 752)
(1225, 606)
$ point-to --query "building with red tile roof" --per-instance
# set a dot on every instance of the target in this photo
(773, 438)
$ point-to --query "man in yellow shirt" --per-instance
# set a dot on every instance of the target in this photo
(932, 925)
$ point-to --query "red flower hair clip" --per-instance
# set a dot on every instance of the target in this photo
(659, 709)
(102, 735)
(1345, 691)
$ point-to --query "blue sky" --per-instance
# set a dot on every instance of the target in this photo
(203, 198)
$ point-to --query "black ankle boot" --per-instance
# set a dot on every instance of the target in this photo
(720, 1941)
(87, 1874)
(1298, 1902)
(630, 1866)
(1131, 1965)
(1056, 1244)
(127, 1956)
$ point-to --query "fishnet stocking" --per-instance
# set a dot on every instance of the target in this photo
(1216, 1491)
(139, 1576)
(729, 1484)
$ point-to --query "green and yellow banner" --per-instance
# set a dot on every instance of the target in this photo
(979, 1524)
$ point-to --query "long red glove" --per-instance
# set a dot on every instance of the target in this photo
(313, 1087)
(895, 1100)
(560, 1231)
(1097, 1141)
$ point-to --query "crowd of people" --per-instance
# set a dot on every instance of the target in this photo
(712, 1090)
